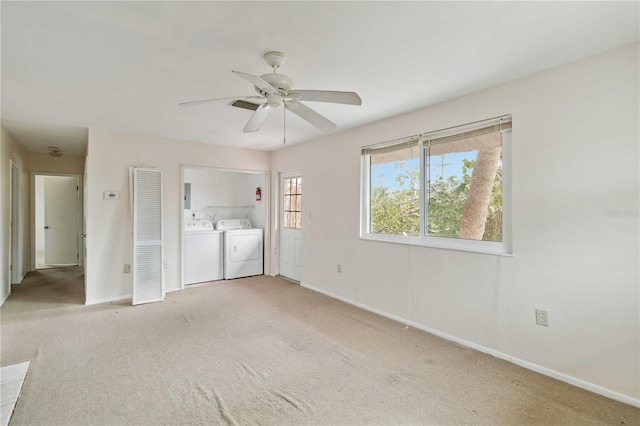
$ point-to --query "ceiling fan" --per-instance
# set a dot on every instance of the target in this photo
(279, 90)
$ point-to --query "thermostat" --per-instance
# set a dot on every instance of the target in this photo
(111, 195)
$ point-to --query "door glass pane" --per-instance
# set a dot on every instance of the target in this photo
(292, 203)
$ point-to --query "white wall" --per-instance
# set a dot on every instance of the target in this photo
(211, 187)
(44, 163)
(575, 159)
(11, 150)
(109, 221)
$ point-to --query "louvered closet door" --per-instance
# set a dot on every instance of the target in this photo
(148, 273)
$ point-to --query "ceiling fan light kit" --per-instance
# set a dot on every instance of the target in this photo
(277, 90)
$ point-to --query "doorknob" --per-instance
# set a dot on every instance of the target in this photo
(83, 235)
(46, 227)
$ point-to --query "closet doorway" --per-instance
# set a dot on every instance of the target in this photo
(211, 195)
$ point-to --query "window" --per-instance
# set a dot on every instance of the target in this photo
(293, 203)
(444, 189)
(394, 181)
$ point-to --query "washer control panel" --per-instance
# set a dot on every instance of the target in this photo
(233, 224)
(198, 225)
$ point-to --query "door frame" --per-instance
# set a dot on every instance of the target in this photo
(279, 217)
(15, 244)
(266, 199)
(80, 242)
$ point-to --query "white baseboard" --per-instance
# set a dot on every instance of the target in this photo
(4, 299)
(108, 300)
(522, 363)
(635, 402)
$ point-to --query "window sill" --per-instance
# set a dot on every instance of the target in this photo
(479, 247)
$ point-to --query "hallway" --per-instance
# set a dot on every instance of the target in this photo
(49, 287)
(41, 290)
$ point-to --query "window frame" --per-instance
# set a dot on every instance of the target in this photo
(502, 248)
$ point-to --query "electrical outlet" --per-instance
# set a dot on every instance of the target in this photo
(542, 318)
(127, 269)
(339, 267)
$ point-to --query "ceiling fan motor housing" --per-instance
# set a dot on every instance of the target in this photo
(283, 83)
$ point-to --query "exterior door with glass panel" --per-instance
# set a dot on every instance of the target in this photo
(291, 225)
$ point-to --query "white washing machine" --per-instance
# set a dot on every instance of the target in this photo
(243, 248)
(203, 252)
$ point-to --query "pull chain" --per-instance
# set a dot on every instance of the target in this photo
(284, 118)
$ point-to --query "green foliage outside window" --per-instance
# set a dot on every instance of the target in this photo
(397, 211)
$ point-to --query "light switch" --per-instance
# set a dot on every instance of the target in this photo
(307, 215)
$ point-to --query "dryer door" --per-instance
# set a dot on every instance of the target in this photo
(243, 253)
(244, 247)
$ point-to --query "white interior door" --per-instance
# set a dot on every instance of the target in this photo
(291, 225)
(61, 219)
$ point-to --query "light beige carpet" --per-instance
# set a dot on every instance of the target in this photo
(260, 351)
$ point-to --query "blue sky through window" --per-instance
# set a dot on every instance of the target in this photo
(386, 174)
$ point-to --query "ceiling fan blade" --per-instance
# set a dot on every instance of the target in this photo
(310, 115)
(257, 81)
(258, 117)
(350, 98)
(205, 101)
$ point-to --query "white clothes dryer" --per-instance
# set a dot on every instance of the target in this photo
(243, 248)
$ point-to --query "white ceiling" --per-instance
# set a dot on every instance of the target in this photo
(125, 66)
